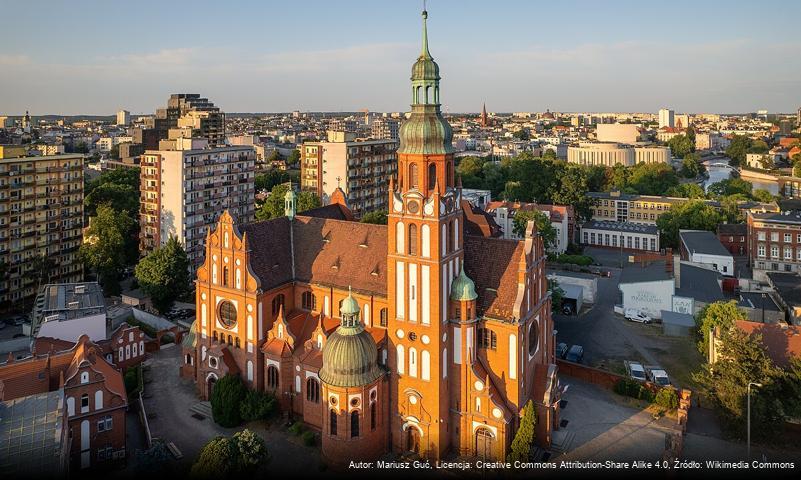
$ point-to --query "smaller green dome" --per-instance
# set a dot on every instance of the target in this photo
(349, 306)
(463, 289)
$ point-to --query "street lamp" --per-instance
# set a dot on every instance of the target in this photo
(749, 415)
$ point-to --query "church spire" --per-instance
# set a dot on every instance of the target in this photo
(425, 53)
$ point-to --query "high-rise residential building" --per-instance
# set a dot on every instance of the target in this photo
(362, 168)
(667, 118)
(123, 118)
(41, 216)
(184, 191)
(798, 117)
(187, 115)
(385, 129)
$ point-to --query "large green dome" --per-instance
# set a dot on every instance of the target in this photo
(350, 356)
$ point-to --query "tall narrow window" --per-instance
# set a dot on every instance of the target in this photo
(432, 176)
(309, 301)
(413, 176)
(450, 237)
(384, 315)
(225, 276)
(354, 424)
(313, 390)
(412, 239)
(278, 302)
(333, 422)
(372, 415)
(272, 377)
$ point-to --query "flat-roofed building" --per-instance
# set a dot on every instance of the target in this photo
(774, 242)
(627, 133)
(621, 235)
(184, 191)
(68, 310)
(651, 154)
(41, 200)
(361, 168)
(606, 154)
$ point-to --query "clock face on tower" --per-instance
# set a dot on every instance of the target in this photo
(413, 207)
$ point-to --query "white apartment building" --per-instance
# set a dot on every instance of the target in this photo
(123, 117)
(618, 133)
(184, 191)
(667, 118)
(560, 216)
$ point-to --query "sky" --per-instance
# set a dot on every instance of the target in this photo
(99, 56)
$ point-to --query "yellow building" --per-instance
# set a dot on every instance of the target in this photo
(13, 151)
(41, 203)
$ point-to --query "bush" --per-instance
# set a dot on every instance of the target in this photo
(296, 428)
(251, 450)
(308, 438)
(667, 398)
(217, 459)
(523, 443)
(226, 400)
(582, 260)
(256, 406)
(133, 380)
(632, 388)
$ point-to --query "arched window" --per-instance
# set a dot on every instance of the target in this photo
(225, 276)
(399, 238)
(312, 390)
(227, 314)
(272, 376)
(413, 362)
(450, 237)
(533, 338)
(230, 340)
(383, 317)
(432, 176)
(372, 415)
(278, 302)
(354, 424)
(308, 301)
(400, 359)
(333, 422)
(414, 178)
(425, 365)
(213, 336)
(412, 239)
(236, 342)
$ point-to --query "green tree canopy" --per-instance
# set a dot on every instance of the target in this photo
(378, 217)
(737, 149)
(686, 190)
(681, 145)
(273, 207)
(218, 459)
(652, 178)
(226, 400)
(762, 195)
(104, 250)
(119, 196)
(731, 186)
(541, 222)
(273, 177)
(164, 274)
(522, 448)
(718, 314)
(294, 157)
(691, 166)
(691, 215)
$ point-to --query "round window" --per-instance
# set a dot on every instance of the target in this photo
(227, 314)
(354, 402)
(533, 338)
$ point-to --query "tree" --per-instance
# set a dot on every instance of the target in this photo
(273, 177)
(557, 295)
(681, 145)
(797, 168)
(737, 149)
(42, 268)
(226, 399)
(686, 190)
(164, 274)
(731, 186)
(523, 444)
(718, 314)
(378, 217)
(652, 178)
(154, 460)
(762, 195)
(742, 359)
(104, 250)
(691, 167)
(294, 158)
(119, 196)
(256, 406)
(541, 223)
(273, 207)
(217, 459)
(470, 167)
(522, 134)
(569, 187)
(251, 450)
(691, 215)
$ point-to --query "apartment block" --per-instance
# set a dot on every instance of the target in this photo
(385, 129)
(362, 168)
(184, 191)
(41, 215)
(774, 242)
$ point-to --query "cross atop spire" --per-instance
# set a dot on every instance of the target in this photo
(425, 53)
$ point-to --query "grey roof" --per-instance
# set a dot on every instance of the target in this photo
(790, 216)
(788, 286)
(575, 292)
(699, 283)
(68, 301)
(702, 241)
(652, 273)
(680, 319)
(32, 435)
(754, 300)
(628, 227)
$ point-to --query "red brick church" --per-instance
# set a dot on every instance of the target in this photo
(409, 337)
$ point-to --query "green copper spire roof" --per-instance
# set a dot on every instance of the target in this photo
(350, 356)
(425, 132)
(463, 289)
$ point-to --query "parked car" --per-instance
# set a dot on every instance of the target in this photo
(635, 370)
(575, 354)
(634, 315)
(657, 375)
(561, 350)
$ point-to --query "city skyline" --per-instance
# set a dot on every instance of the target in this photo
(516, 56)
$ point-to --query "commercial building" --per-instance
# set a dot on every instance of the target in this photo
(362, 168)
(710, 141)
(562, 219)
(66, 311)
(621, 235)
(611, 154)
(666, 118)
(774, 242)
(405, 337)
(41, 216)
(625, 207)
(649, 289)
(703, 247)
(184, 191)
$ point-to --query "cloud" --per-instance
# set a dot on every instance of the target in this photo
(14, 60)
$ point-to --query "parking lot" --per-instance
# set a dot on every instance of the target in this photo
(609, 340)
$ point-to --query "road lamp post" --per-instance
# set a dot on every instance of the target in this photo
(748, 427)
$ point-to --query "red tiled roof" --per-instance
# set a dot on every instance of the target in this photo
(492, 264)
(479, 222)
(781, 342)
